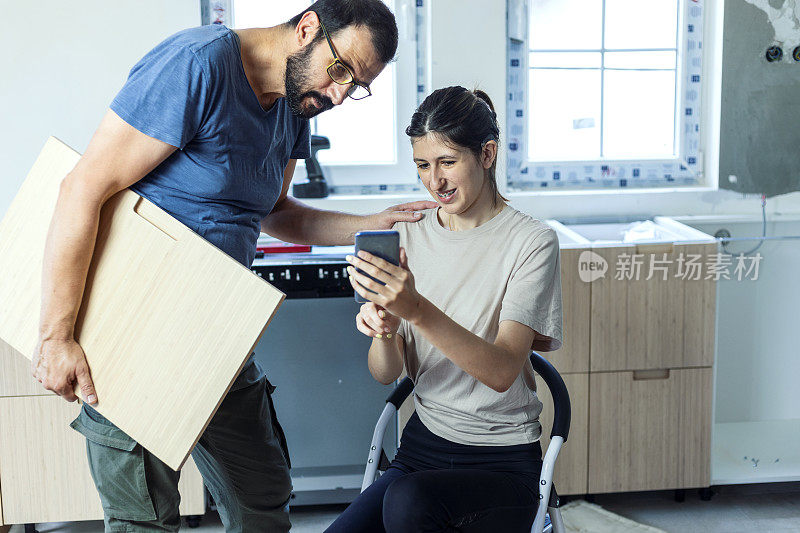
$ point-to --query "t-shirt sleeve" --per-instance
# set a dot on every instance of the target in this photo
(533, 296)
(302, 146)
(165, 96)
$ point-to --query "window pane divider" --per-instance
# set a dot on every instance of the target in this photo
(602, 79)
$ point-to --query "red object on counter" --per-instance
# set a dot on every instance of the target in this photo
(283, 248)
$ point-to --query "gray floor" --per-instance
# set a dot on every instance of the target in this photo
(733, 509)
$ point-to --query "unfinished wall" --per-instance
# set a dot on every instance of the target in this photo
(760, 123)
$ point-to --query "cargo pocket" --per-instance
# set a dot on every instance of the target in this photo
(116, 462)
(276, 426)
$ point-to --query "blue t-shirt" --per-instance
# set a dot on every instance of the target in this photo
(191, 91)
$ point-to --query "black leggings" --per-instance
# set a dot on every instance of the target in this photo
(435, 485)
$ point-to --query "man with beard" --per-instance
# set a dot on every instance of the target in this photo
(209, 126)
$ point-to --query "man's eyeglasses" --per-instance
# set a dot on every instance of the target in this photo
(341, 73)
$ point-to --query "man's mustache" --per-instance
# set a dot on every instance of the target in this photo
(326, 103)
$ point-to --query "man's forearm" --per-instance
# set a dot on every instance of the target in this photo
(67, 256)
(294, 221)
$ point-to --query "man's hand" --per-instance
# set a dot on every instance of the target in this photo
(59, 365)
(399, 213)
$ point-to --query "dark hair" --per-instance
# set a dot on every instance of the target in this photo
(340, 14)
(463, 117)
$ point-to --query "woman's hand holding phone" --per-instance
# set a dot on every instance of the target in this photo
(398, 296)
(375, 321)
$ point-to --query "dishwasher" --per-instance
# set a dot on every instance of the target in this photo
(325, 398)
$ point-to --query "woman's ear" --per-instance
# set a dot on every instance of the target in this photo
(488, 154)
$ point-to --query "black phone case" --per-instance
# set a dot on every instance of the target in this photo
(383, 244)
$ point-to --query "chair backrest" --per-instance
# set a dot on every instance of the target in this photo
(562, 410)
(401, 392)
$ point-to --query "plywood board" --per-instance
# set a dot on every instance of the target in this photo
(167, 319)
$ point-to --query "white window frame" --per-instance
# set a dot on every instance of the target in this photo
(396, 176)
(685, 169)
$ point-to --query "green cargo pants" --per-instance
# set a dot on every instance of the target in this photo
(242, 457)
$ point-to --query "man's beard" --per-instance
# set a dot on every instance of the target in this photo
(296, 79)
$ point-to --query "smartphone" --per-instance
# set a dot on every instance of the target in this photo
(383, 244)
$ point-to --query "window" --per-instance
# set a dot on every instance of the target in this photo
(365, 155)
(612, 98)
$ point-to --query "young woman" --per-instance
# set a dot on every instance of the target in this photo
(478, 287)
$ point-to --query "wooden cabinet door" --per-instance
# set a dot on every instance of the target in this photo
(666, 321)
(571, 471)
(44, 472)
(573, 356)
(649, 430)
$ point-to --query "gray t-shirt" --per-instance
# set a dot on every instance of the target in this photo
(506, 269)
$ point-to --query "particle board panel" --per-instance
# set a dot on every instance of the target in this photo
(167, 319)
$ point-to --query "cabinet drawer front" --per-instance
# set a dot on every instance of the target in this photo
(666, 321)
(649, 434)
